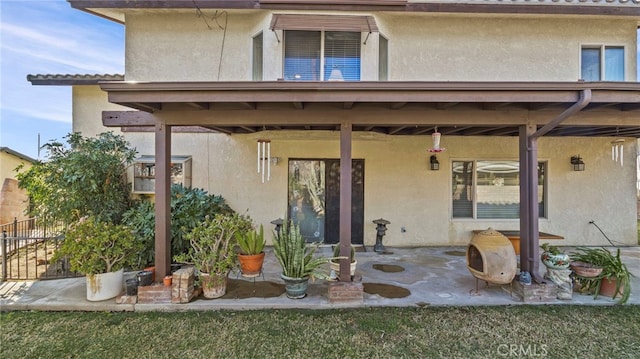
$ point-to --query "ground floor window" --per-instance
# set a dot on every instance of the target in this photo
(491, 189)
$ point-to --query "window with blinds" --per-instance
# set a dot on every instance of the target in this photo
(491, 189)
(321, 55)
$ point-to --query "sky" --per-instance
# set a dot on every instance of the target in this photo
(50, 37)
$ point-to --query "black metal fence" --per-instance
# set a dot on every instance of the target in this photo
(27, 249)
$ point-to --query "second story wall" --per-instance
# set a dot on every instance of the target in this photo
(179, 46)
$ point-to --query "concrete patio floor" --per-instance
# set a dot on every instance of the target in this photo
(435, 276)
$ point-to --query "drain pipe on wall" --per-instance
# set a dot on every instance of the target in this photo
(529, 233)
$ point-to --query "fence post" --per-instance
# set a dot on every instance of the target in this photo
(4, 255)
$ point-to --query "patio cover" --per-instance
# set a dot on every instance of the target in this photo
(527, 109)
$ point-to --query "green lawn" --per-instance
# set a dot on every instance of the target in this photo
(432, 332)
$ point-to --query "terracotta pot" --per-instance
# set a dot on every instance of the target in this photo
(608, 287)
(167, 280)
(213, 285)
(586, 270)
(251, 265)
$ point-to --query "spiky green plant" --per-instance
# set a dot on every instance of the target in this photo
(612, 267)
(295, 255)
(251, 242)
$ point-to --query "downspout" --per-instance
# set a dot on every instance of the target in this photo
(529, 233)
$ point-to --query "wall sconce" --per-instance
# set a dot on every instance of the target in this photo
(576, 163)
(435, 165)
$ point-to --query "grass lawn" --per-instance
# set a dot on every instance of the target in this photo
(449, 332)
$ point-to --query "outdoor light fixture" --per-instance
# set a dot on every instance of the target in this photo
(435, 165)
(576, 163)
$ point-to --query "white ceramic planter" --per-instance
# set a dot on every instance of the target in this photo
(104, 286)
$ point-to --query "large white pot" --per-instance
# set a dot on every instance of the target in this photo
(104, 286)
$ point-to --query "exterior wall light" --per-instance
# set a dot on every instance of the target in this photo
(435, 165)
(576, 163)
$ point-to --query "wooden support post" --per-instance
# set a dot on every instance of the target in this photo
(163, 201)
(345, 199)
(529, 252)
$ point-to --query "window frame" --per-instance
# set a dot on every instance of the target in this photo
(602, 48)
(257, 69)
(545, 189)
(322, 51)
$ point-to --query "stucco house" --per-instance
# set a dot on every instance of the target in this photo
(325, 111)
(13, 200)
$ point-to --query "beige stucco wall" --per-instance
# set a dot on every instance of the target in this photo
(422, 47)
(13, 200)
(400, 188)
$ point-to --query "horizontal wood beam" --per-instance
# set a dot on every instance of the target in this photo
(369, 118)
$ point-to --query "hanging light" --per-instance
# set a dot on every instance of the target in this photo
(617, 151)
(576, 163)
(435, 137)
(435, 165)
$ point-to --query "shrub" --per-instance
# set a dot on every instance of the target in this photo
(189, 208)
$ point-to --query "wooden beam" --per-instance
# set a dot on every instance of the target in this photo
(445, 105)
(396, 130)
(347, 105)
(163, 201)
(199, 105)
(346, 129)
(454, 130)
(397, 105)
(298, 105)
(248, 129)
(424, 130)
(127, 118)
(174, 129)
(250, 105)
(144, 106)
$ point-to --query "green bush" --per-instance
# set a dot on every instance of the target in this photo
(86, 177)
(189, 208)
(94, 247)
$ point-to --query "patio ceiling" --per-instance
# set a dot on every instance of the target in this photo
(394, 108)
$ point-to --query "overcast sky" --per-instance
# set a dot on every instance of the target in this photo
(49, 37)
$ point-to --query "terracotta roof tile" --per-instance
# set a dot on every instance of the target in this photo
(72, 79)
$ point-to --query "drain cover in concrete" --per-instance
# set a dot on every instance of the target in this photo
(388, 268)
(386, 290)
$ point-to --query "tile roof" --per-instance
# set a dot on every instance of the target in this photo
(72, 79)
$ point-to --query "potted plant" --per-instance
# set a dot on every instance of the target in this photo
(251, 255)
(212, 251)
(553, 258)
(615, 278)
(101, 251)
(335, 263)
(297, 260)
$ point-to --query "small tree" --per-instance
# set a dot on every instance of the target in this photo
(85, 177)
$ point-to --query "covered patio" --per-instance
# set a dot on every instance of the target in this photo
(528, 110)
(430, 276)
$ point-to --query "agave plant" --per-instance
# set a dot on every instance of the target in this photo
(251, 242)
(296, 256)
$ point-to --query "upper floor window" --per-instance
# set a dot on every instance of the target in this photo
(321, 55)
(602, 63)
(491, 189)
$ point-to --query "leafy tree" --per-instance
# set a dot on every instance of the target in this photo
(84, 177)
